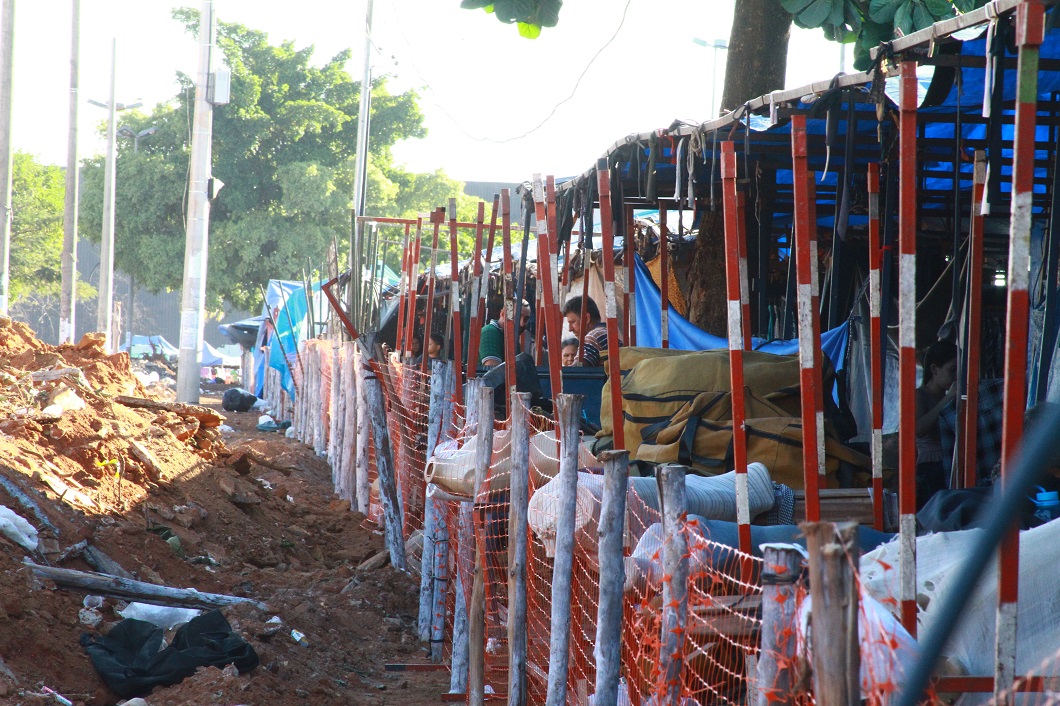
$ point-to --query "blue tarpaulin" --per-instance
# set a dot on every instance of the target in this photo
(686, 336)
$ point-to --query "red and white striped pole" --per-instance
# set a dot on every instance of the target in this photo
(414, 285)
(454, 306)
(664, 279)
(970, 406)
(478, 293)
(510, 324)
(403, 302)
(1030, 31)
(876, 352)
(436, 221)
(733, 276)
(603, 176)
(907, 222)
(553, 267)
(547, 280)
(809, 326)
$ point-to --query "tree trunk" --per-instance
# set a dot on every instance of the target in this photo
(706, 275)
(758, 51)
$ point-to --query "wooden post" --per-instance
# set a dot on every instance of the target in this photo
(776, 674)
(611, 532)
(458, 670)
(511, 326)
(436, 221)
(414, 287)
(674, 501)
(440, 584)
(384, 460)
(364, 498)
(434, 423)
(517, 548)
(454, 303)
(546, 279)
(477, 614)
(833, 550)
(568, 417)
(349, 433)
(480, 277)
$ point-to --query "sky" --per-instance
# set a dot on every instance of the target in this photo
(497, 107)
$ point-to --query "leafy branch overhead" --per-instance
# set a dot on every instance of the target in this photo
(529, 15)
(867, 23)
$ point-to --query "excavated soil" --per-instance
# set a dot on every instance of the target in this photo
(253, 516)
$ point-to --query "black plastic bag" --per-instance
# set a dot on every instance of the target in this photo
(131, 662)
(237, 400)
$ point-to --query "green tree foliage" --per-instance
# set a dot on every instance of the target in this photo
(36, 227)
(528, 15)
(285, 150)
(867, 23)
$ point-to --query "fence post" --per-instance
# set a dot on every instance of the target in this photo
(674, 501)
(349, 433)
(608, 650)
(780, 570)
(519, 501)
(440, 582)
(568, 417)
(459, 667)
(434, 422)
(833, 551)
(361, 419)
(384, 460)
(477, 613)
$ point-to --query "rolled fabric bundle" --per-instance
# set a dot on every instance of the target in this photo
(711, 497)
(544, 457)
(452, 468)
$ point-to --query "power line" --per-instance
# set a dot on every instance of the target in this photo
(545, 120)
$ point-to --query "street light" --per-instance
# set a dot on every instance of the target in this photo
(714, 44)
(105, 309)
(135, 136)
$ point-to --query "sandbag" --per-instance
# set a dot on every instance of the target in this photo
(704, 443)
(660, 382)
(712, 497)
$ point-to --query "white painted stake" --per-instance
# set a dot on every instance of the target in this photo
(611, 532)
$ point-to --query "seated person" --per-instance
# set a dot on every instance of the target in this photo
(491, 341)
(594, 341)
(570, 352)
(434, 346)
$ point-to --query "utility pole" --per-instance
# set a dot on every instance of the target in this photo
(68, 298)
(105, 307)
(196, 248)
(361, 172)
(7, 46)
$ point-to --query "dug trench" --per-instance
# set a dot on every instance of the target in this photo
(163, 494)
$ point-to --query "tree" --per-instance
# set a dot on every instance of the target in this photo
(285, 150)
(36, 227)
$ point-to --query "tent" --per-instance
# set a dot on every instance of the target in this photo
(211, 357)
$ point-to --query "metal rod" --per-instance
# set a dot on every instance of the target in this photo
(631, 280)
(454, 304)
(664, 280)
(414, 288)
(479, 282)
(510, 308)
(403, 291)
(970, 437)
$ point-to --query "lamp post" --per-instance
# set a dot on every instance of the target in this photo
(136, 136)
(714, 44)
(105, 309)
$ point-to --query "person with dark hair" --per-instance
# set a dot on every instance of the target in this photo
(491, 340)
(594, 341)
(937, 391)
(416, 349)
(434, 346)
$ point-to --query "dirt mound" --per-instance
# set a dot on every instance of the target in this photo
(155, 490)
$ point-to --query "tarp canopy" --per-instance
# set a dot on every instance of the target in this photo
(211, 357)
(146, 346)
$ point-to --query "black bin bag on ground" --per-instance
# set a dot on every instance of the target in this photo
(131, 662)
(237, 399)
